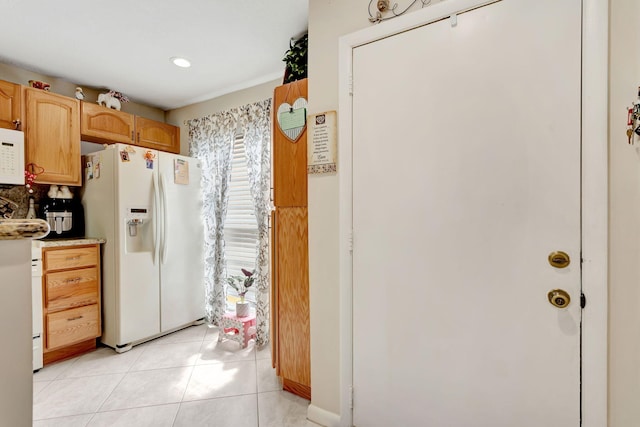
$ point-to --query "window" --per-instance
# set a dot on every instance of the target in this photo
(241, 226)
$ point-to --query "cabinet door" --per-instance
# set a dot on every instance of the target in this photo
(157, 135)
(289, 157)
(70, 289)
(104, 125)
(52, 135)
(62, 258)
(10, 98)
(72, 326)
(292, 269)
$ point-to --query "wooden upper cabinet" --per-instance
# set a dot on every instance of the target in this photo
(52, 136)
(289, 157)
(105, 125)
(10, 108)
(157, 135)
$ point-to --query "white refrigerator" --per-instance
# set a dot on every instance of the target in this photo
(147, 205)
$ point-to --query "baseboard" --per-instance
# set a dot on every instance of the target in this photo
(296, 388)
(322, 417)
(69, 351)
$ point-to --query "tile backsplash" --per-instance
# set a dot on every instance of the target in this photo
(19, 195)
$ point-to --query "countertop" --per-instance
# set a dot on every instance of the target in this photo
(67, 242)
(15, 229)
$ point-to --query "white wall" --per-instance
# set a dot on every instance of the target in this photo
(328, 21)
(21, 76)
(16, 386)
(624, 218)
(178, 116)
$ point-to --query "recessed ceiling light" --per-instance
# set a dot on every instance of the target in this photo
(181, 62)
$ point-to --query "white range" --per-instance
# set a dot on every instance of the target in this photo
(36, 304)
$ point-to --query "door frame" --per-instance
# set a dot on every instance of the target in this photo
(594, 200)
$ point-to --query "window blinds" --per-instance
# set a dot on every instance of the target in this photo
(241, 226)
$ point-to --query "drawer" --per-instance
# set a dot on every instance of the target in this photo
(70, 289)
(72, 326)
(70, 257)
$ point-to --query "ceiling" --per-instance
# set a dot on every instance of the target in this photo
(127, 45)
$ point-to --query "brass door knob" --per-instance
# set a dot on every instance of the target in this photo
(559, 298)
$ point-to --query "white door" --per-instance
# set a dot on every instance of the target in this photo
(182, 296)
(466, 176)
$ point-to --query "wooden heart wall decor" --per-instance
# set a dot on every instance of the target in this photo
(292, 119)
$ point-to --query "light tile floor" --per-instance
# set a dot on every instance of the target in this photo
(183, 379)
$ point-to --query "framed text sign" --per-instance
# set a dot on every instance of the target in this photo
(322, 144)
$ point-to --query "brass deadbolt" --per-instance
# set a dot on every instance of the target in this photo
(559, 259)
(559, 298)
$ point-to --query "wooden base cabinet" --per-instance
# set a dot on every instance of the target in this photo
(291, 274)
(71, 298)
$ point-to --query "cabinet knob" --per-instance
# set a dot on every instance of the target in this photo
(17, 123)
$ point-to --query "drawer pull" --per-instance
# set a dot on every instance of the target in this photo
(74, 280)
(74, 318)
(72, 258)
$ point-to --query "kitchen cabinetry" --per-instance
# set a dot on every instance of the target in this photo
(290, 261)
(157, 135)
(289, 157)
(52, 136)
(10, 105)
(71, 300)
(105, 125)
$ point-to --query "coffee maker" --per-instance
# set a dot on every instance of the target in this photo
(64, 214)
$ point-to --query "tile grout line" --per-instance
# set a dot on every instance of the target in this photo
(175, 417)
(136, 360)
(71, 362)
(124, 375)
(43, 389)
(109, 395)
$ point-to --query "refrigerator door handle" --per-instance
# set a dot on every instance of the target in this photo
(165, 217)
(156, 219)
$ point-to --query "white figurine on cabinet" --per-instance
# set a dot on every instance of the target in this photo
(79, 94)
(109, 101)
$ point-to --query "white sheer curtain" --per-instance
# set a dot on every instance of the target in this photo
(211, 141)
(257, 143)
